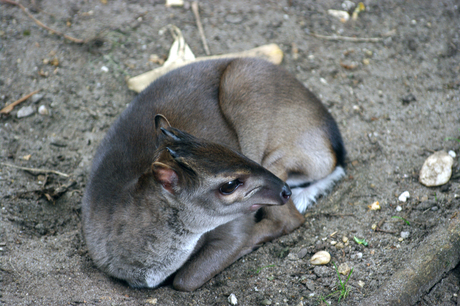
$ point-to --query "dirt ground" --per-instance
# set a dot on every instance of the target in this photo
(396, 101)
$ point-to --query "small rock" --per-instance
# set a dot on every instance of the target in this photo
(374, 206)
(361, 283)
(425, 205)
(310, 284)
(232, 299)
(343, 269)
(292, 257)
(57, 142)
(42, 110)
(345, 239)
(320, 258)
(302, 253)
(404, 196)
(343, 16)
(266, 302)
(333, 242)
(398, 208)
(104, 69)
(339, 246)
(359, 255)
(36, 97)
(323, 271)
(452, 153)
(152, 301)
(405, 235)
(434, 208)
(437, 169)
(25, 111)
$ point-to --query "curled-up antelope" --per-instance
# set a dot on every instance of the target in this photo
(207, 163)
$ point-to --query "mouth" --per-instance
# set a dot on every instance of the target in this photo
(255, 207)
(252, 191)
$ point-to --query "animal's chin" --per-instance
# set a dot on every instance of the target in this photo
(255, 207)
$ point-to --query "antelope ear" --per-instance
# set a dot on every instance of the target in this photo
(166, 176)
(161, 122)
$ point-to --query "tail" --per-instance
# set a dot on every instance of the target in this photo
(306, 193)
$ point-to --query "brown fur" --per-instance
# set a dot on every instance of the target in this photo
(154, 187)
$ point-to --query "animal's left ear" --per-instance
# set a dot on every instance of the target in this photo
(161, 122)
(166, 176)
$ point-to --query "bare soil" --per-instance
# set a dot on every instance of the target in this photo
(396, 102)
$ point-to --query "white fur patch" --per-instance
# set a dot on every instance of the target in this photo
(304, 197)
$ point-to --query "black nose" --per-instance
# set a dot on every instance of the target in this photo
(286, 193)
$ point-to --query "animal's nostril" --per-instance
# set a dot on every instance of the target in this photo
(286, 192)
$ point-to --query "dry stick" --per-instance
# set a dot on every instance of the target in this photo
(75, 40)
(347, 38)
(200, 27)
(7, 109)
(36, 170)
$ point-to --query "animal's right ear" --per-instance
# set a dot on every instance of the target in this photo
(166, 176)
(161, 122)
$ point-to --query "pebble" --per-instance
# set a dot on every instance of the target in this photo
(339, 246)
(405, 235)
(343, 269)
(36, 97)
(343, 16)
(232, 299)
(152, 301)
(361, 283)
(25, 111)
(42, 110)
(320, 258)
(452, 153)
(425, 205)
(323, 271)
(398, 208)
(266, 302)
(310, 284)
(345, 239)
(302, 253)
(404, 196)
(104, 69)
(437, 169)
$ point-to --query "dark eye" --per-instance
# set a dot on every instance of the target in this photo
(230, 187)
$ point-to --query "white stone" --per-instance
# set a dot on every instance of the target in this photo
(404, 196)
(25, 111)
(452, 153)
(398, 208)
(232, 299)
(42, 110)
(341, 15)
(320, 258)
(405, 235)
(104, 69)
(437, 169)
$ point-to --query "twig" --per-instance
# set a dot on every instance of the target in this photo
(7, 109)
(36, 170)
(384, 231)
(347, 38)
(75, 40)
(200, 27)
(326, 214)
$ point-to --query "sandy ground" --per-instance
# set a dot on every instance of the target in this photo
(396, 102)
